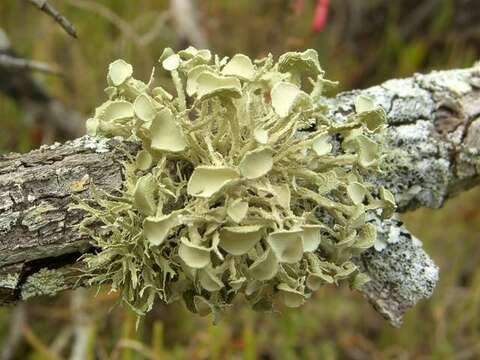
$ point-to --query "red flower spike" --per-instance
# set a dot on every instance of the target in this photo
(320, 16)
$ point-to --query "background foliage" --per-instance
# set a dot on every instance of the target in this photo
(363, 43)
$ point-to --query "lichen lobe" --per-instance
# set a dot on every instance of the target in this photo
(225, 198)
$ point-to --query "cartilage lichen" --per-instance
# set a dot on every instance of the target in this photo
(243, 184)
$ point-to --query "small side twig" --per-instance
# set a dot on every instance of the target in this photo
(186, 17)
(14, 337)
(122, 25)
(156, 30)
(9, 61)
(105, 12)
(81, 324)
(51, 11)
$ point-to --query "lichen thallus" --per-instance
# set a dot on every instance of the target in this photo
(243, 184)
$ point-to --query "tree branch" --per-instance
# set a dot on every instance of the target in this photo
(185, 15)
(17, 82)
(26, 64)
(433, 152)
(50, 10)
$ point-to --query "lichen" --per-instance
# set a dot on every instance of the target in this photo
(7, 222)
(40, 215)
(9, 281)
(43, 282)
(402, 273)
(99, 144)
(243, 185)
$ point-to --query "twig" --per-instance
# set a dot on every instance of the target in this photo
(14, 336)
(17, 83)
(185, 14)
(37, 344)
(109, 15)
(156, 30)
(51, 11)
(125, 28)
(82, 327)
(62, 340)
(9, 61)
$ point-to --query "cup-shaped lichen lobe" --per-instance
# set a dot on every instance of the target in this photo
(227, 195)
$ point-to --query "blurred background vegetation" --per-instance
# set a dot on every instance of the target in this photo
(361, 43)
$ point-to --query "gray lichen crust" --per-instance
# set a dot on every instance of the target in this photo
(401, 273)
(43, 282)
(434, 124)
(432, 143)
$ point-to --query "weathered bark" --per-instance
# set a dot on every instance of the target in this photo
(433, 148)
(37, 229)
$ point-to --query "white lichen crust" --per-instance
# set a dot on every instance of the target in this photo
(432, 145)
(401, 272)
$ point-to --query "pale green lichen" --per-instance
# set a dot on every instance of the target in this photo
(7, 222)
(226, 196)
(36, 216)
(9, 281)
(44, 282)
